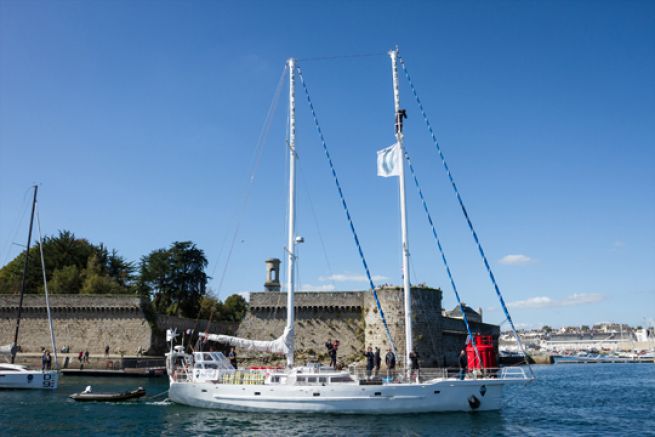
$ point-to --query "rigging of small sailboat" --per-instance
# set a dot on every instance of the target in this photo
(208, 380)
(16, 376)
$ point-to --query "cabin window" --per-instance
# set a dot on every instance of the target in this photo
(322, 379)
(301, 379)
(312, 379)
(344, 378)
(275, 379)
(207, 357)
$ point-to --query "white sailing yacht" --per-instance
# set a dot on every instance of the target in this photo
(16, 376)
(208, 380)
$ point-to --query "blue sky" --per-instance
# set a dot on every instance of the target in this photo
(141, 121)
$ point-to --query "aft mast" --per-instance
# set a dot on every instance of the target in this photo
(14, 348)
(400, 115)
(291, 243)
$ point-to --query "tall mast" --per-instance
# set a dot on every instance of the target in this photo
(291, 243)
(400, 114)
(14, 348)
(53, 343)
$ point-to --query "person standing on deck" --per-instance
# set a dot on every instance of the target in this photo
(328, 346)
(232, 356)
(463, 364)
(378, 361)
(390, 361)
(48, 361)
(333, 354)
(370, 361)
(414, 365)
(43, 360)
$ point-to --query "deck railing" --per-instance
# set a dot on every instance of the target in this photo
(398, 376)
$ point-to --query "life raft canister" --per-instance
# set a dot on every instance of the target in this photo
(474, 402)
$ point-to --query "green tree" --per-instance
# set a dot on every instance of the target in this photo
(66, 260)
(65, 279)
(96, 281)
(235, 308)
(174, 278)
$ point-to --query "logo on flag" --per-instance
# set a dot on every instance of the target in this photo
(389, 161)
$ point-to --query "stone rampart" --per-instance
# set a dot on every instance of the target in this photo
(319, 317)
(80, 322)
(426, 305)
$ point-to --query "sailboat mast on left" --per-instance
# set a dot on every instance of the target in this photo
(15, 376)
(14, 346)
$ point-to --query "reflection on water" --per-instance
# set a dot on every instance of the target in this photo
(565, 399)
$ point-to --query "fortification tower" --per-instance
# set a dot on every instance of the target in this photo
(272, 275)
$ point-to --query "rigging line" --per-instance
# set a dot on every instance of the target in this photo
(53, 341)
(19, 225)
(345, 208)
(318, 228)
(464, 211)
(257, 159)
(435, 234)
(331, 58)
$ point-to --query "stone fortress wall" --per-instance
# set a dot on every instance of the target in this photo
(353, 319)
(85, 322)
(89, 322)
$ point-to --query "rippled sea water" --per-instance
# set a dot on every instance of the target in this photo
(570, 399)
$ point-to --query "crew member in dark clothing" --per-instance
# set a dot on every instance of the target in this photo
(48, 361)
(414, 366)
(328, 346)
(333, 354)
(43, 360)
(370, 361)
(390, 361)
(232, 356)
(463, 364)
(378, 361)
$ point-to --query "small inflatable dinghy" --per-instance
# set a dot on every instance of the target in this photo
(89, 396)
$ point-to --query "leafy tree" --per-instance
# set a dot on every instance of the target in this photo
(211, 307)
(174, 278)
(547, 328)
(65, 279)
(66, 261)
(235, 308)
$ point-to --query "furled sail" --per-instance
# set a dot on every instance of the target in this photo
(281, 345)
(6, 349)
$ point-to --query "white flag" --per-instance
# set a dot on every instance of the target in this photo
(389, 161)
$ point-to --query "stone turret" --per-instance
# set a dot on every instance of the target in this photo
(272, 275)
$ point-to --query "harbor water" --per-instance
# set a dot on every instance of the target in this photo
(595, 399)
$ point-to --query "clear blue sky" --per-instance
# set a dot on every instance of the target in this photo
(141, 119)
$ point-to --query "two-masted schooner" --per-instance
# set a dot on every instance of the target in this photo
(208, 380)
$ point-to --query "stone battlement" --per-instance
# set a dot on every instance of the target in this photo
(70, 302)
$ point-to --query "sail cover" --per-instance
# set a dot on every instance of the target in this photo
(6, 349)
(281, 345)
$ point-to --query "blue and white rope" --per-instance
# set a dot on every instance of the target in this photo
(443, 254)
(345, 208)
(464, 211)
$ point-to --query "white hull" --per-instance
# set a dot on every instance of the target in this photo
(29, 379)
(434, 396)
